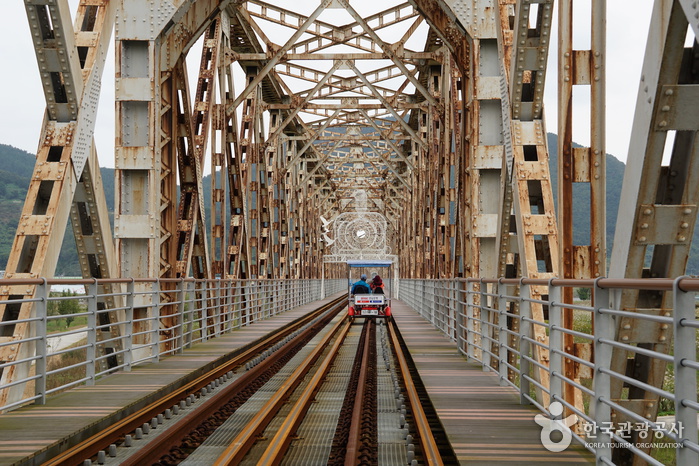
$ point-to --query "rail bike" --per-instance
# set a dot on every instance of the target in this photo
(372, 304)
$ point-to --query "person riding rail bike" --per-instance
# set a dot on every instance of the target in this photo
(361, 286)
(377, 285)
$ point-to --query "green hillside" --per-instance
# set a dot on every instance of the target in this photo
(581, 195)
(16, 168)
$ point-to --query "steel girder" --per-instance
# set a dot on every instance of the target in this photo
(66, 181)
(658, 207)
(508, 160)
(448, 141)
(581, 166)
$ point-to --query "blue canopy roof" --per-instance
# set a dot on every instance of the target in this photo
(369, 263)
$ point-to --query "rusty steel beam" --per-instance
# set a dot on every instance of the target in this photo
(196, 129)
(658, 206)
(581, 166)
(66, 180)
(449, 26)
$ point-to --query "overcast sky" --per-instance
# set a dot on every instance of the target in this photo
(22, 101)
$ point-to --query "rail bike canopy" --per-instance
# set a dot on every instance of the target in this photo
(369, 305)
(356, 263)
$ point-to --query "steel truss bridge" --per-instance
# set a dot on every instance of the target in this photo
(429, 112)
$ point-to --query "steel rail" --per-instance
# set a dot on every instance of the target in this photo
(101, 440)
(427, 441)
(353, 451)
(247, 437)
(281, 441)
(175, 434)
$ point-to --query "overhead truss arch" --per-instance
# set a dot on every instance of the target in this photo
(427, 113)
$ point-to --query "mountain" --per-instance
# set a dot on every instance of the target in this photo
(581, 195)
(16, 167)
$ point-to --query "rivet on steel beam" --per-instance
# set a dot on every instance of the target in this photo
(647, 212)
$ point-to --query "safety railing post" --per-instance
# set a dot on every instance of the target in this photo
(555, 343)
(91, 350)
(155, 326)
(486, 329)
(470, 321)
(448, 307)
(525, 332)
(685, 376)
(42, 294)
(601, 412)
(204, 297)
(255, 302)
(459, 316)
(455, 308)
(179, 338)
(245, 296)
(433, 302)
(502, 333)
(436, 305)
(190, 311)
(218, 311)
(227, 305)
(442, 306)
(128, 326)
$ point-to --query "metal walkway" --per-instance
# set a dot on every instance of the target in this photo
(484, 422)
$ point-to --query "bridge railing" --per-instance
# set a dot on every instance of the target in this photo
(512, 327)
(84, 329)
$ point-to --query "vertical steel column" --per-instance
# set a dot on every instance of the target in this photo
(71, 63)
(486, 133)
(236, 255)
(581, 169)
(249, 151)
(528, 175)
(658, 206)
(137, 155)
(192, 247)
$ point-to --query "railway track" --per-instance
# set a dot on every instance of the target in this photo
(331, 391)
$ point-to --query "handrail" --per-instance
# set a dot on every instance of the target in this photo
(197, 310)
(477, 314)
